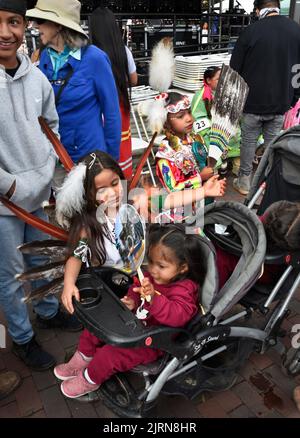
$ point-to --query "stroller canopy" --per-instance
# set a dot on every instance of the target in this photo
(280, 166)
(249, 240)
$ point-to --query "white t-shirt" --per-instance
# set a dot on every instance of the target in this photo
(131, 63)
(113, 257)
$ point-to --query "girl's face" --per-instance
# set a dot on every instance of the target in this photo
(181, 123)
(213, 82)
(163, 265)
(49, 32)
(12, 27)
(109, 189)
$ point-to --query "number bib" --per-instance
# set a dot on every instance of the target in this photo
(201, 125)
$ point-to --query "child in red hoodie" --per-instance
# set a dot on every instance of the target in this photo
(176, 271)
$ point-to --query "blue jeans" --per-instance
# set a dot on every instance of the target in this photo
(252, 126)
(14, 232)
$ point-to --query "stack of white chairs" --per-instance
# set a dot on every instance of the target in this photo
(189, 70)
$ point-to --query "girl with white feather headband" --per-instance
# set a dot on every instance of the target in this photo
(97, 181)
(176, 164)
(87, 205)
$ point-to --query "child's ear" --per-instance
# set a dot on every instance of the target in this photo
(183, 268)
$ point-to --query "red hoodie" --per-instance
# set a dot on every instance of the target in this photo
(175, 307)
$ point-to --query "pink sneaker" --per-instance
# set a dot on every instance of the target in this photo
(71, 369)
(77, 386)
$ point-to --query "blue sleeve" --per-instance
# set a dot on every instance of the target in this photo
(108, 96)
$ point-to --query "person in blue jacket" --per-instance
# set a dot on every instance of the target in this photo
(84, 86)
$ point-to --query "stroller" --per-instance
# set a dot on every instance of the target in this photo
(276, 179)
(208, 352)
(277, 176)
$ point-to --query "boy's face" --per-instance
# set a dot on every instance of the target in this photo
(12, 27)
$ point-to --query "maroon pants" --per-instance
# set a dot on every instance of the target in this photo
(108, 359)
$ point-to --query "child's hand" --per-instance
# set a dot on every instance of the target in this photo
(206, 173)
(129, 302)
(146, 288)
(68, 293)
(215, 187)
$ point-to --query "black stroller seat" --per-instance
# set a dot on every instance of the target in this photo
(189, 364)
(258, 294)
(278, 171)
(230, 242)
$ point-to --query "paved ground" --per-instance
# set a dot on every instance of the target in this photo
(262, 390)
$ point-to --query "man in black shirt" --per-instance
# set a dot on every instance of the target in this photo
(266, 56)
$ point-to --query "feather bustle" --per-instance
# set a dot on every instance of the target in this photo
(71, 197)
(48, 247)
(228, 105)
(45, 272)
(52, 288)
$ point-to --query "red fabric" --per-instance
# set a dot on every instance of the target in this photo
(176, 306)
(227, 262)
(108, 359)
(207, 93)
(125, 160)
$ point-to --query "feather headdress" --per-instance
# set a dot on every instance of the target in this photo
(229, 101)
(71, 196)
(162, 65)
(161, 74)
(156, 113)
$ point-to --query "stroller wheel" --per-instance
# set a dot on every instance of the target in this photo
(119, 396)
(118, 391)
(291, 362)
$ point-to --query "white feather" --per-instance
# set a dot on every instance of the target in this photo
(156, 114)
(144, 107)
(70, 199)
(162, 65)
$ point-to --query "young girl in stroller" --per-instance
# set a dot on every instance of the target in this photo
(175, 271)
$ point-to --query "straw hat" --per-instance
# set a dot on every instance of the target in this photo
(64, 12)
